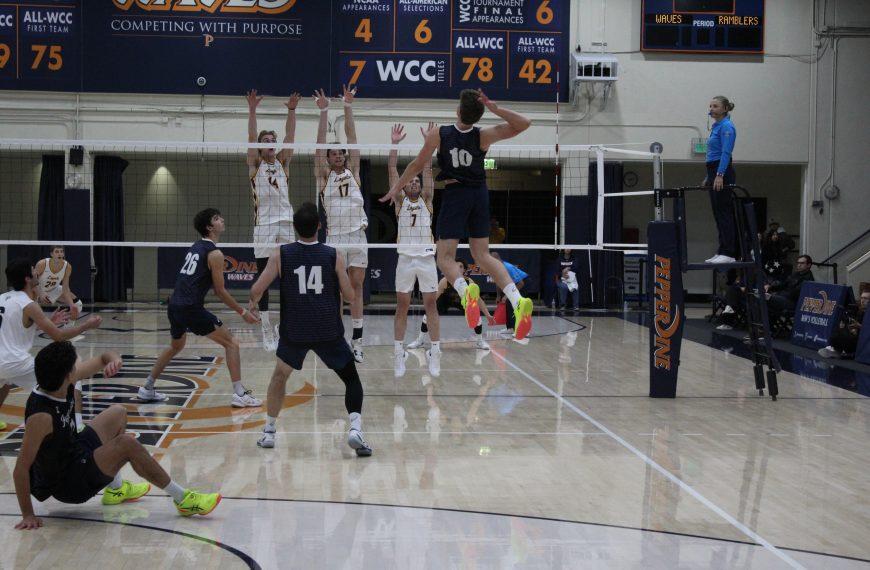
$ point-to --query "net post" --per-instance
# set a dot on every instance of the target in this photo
(658, 184)
(599, 230)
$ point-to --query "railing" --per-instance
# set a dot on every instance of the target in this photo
(845, 247)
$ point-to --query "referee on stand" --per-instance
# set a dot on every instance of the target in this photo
(720, 175)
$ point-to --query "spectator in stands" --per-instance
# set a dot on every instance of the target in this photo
(782, 295)
(844, 340)
(496, 232)
(775, 246)
(567, 259)
(568, 284)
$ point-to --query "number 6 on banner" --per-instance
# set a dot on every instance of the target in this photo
(422, 33)
(544, 14)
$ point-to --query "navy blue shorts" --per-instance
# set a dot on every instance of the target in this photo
(336, 354)
(191, 318)
(82, 479)
(464, 212)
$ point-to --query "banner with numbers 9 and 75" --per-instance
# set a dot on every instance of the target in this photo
(514, 49)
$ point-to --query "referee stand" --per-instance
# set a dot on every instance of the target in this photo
(667, 260)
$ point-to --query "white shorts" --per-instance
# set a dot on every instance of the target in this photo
(54, 294)
(352, 256)
(419, 268)
(19, 374)
(267, 236)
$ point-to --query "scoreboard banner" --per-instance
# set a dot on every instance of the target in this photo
(713, 26)
(513, 49)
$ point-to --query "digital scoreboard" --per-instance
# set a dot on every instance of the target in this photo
(712, 26)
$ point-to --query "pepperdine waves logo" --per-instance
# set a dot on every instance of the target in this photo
(185, 381)
(667, 315)
(820, 305)
(210, 6)
(235, 270)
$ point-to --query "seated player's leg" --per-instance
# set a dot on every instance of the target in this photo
(275, 399)
(148, 392)
(337, 357)
(113, 454)
(241, 398)
(108, 425)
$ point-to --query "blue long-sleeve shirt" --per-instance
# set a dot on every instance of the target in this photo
(720, 145)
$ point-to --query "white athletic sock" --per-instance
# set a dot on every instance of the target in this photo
(80, 421)
(270, 421)
(149, 383)
(460, 285)
(238, 388)
(355, 421)
(117, 481)
(357, 323)
(436, 345)
(175, 491)
(398, 347)
(513, 294)
(425, 320)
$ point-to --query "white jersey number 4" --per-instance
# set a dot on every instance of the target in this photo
(460, 157)
(314, 281)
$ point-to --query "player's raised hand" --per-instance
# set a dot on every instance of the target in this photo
(397, 134)
(391, 196)
(112, 368)
(29, 522)
(60, 316)
(425, 132)
(293, 101)
(487, 102)
(253, 99)
(321, 100)
(347, 95)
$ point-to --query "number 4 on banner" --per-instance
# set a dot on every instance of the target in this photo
(364, 30)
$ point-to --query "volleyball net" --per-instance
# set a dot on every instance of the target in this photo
(137, 199)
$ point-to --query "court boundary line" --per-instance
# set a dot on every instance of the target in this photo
(243, 556)
(757, 538)
(491, 513)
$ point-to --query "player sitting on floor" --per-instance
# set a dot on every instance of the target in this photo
(57, 461)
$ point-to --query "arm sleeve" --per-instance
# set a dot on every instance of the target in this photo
(729, 136)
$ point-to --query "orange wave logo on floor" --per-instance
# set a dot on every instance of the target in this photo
(667, 315)
(183, 416)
